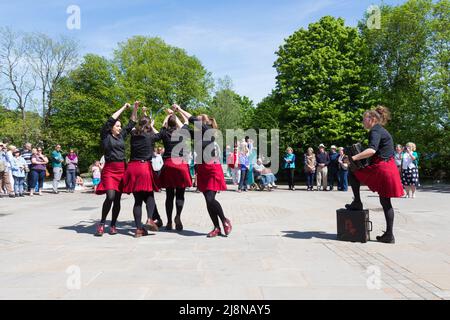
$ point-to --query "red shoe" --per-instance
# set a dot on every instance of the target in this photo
(227, 227)
(100, 230)
(214, 233)
(112, 230)
(151, 225)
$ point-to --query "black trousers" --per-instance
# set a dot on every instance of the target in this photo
(290, 177)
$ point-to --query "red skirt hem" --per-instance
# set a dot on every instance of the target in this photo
(139, 177)
(175, 174)
(210, 177)
(111, 178)
(382, 177)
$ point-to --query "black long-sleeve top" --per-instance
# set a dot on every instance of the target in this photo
(142, 146)
(381, 141)
(114, 147)
(170, 141)
(203, 144)
(323, 157)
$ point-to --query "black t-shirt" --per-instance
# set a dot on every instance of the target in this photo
(142, 146)
(172, 138)
(114, 147)
(381, 141)
(204, 143)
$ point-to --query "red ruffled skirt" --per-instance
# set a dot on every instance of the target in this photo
(112, 175)
(210, 177)
(382, 177)
(175, 174)
(139, 177)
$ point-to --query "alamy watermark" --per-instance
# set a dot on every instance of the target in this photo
(374, 280)
(73, 22)
(374, 18)
(73, 281)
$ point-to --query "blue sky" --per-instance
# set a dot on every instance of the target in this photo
(235, 38)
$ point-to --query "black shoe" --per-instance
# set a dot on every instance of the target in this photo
(386, 238)
(354, 206)
(178, 224)
(158, 223)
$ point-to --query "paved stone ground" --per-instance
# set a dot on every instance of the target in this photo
(283, 246)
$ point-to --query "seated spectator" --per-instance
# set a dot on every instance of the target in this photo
(267, 177)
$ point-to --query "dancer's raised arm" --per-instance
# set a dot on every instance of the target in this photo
(184, 113)
(117, 114)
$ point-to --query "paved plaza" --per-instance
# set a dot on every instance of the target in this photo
(283, 246)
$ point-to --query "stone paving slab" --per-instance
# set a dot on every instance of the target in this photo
(283, 246)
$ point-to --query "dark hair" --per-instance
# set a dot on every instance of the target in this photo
(144, 126)
(172, 122)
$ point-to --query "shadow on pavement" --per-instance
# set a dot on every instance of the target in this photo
(124, 228)
(89, 227)
(310, 235)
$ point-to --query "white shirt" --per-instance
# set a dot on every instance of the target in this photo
(408, 162)
(157, 162)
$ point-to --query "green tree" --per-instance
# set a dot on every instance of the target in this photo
(82, 103)
(411, 55)
(321, 84)
(159, 74)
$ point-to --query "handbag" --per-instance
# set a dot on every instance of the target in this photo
(47, 174)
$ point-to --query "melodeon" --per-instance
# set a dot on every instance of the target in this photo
(352, 151)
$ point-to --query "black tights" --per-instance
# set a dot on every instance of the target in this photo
(385, 203)
(388, 214)
(171, 194)
(112, 199)
(139, 198)
(214, 208)
(356, 185)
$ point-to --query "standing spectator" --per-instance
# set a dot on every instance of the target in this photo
(71, 170)
(310, 168)
(18, 171)
(410, 172)
(228, 154)
(323, 160)
(398, 156)
(417, 155)
(252, 158)
(289, 167)
(10, 155)
(244, 166)
(333, 168)
(233, 164)
(96, 174)
(343, 170)
(5, 167)
(26, 154)
(38, 168)
(57, 160)
(157, 161)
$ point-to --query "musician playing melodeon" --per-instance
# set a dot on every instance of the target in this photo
(381, 175)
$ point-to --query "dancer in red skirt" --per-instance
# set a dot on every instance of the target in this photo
(210, 177)
(174, 176)
(382, 175)
(113, 145)
(139, 177)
